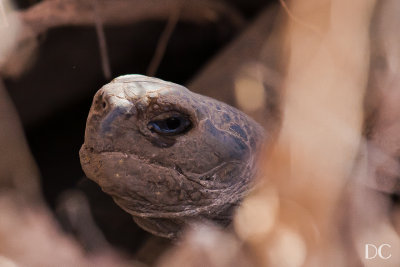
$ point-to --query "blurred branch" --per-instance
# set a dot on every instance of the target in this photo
(3, 18)
(163, 42)
(55, 13)
(101, 37)
(253, 57)
(49, 14)
(29, 235)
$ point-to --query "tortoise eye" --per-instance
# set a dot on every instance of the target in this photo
(171, 124)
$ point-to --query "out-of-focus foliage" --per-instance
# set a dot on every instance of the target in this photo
(323, 78)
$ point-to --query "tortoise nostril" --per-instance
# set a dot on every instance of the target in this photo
(101, 102)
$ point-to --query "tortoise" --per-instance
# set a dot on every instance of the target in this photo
(169, 156)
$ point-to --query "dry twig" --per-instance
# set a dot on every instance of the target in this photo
(163, 42)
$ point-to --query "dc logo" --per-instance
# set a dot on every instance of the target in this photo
(372, 251)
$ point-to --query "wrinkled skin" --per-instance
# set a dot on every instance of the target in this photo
(163, 179)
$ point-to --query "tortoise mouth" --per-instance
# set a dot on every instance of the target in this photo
(97, 165)
(205, 180)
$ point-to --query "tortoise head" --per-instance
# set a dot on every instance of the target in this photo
(167, 155)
